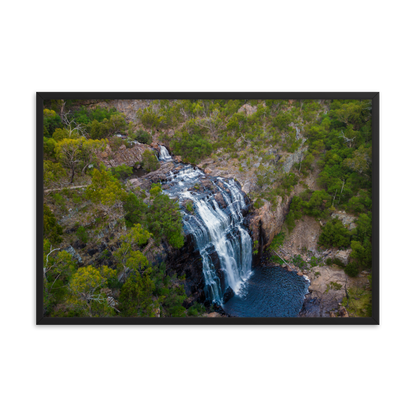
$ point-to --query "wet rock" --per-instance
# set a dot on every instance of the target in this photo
(220, 199)
(229, 293)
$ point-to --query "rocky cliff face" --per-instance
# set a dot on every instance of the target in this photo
(328, 288)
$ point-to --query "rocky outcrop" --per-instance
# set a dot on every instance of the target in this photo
(327, 290)
(247, 109)
(293, 158)
(74, 254)
(343, 256)
(124, 156)
(347, 220)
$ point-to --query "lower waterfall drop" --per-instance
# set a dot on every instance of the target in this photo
(224, 244)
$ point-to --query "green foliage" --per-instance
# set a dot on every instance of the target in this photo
(51, 229)
(85, 292)
(329, 261)
(135, 210)
(148, 117)
(143, 136)
(189, 206)
(122, 172)
(192, 148)
(136, 296)
(282, 120)
(351, 269)
(196, 310)
(338, 262)
(51, 122)
(358, 302)
(76, 154)
(334, 234)
(164, 219)
(49, 147)
(82, 234)
(173, 302)
(277, 241)
(150, 162)
(299, 262)
(362, 252)
(333, 286)
(86, 116)
(255, 247)
(105, 188)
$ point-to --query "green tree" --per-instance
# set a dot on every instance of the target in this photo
(122, 172)
(135, 210)
(85, 291)
(192, 148)
(148, 117)
(136, 296)
(128, 256)
(334, 234)
(58, 266)
(53, 173)
(164, 218)
(362, 252)
(51, 229)
(150, 162)
(77, 153)
(51, 121)
(107, 193)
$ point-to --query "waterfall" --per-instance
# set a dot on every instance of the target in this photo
(223, 242)
(164, 154)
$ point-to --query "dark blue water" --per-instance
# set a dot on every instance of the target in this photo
(270, 292)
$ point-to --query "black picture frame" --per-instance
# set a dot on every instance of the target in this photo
(374, 96)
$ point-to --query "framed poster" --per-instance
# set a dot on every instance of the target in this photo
(207, 208)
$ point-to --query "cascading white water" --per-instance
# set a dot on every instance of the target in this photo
(164, 154)
(218, 232)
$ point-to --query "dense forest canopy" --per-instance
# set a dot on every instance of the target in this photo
(330, 139)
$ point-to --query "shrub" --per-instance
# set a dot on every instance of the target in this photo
(122, 172)
(51, 229)
(334, 234)
(338, 262)
(196, 310)
(189, 206)
(150, 162)
(352, 269)
(82, 234)
(143, 136)
(192, 148)
(329, 262)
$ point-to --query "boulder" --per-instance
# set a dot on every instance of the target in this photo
(343, 312)
(247, 109)
(343, 256)
(220, 199)
(214, 315)
(229, 293)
